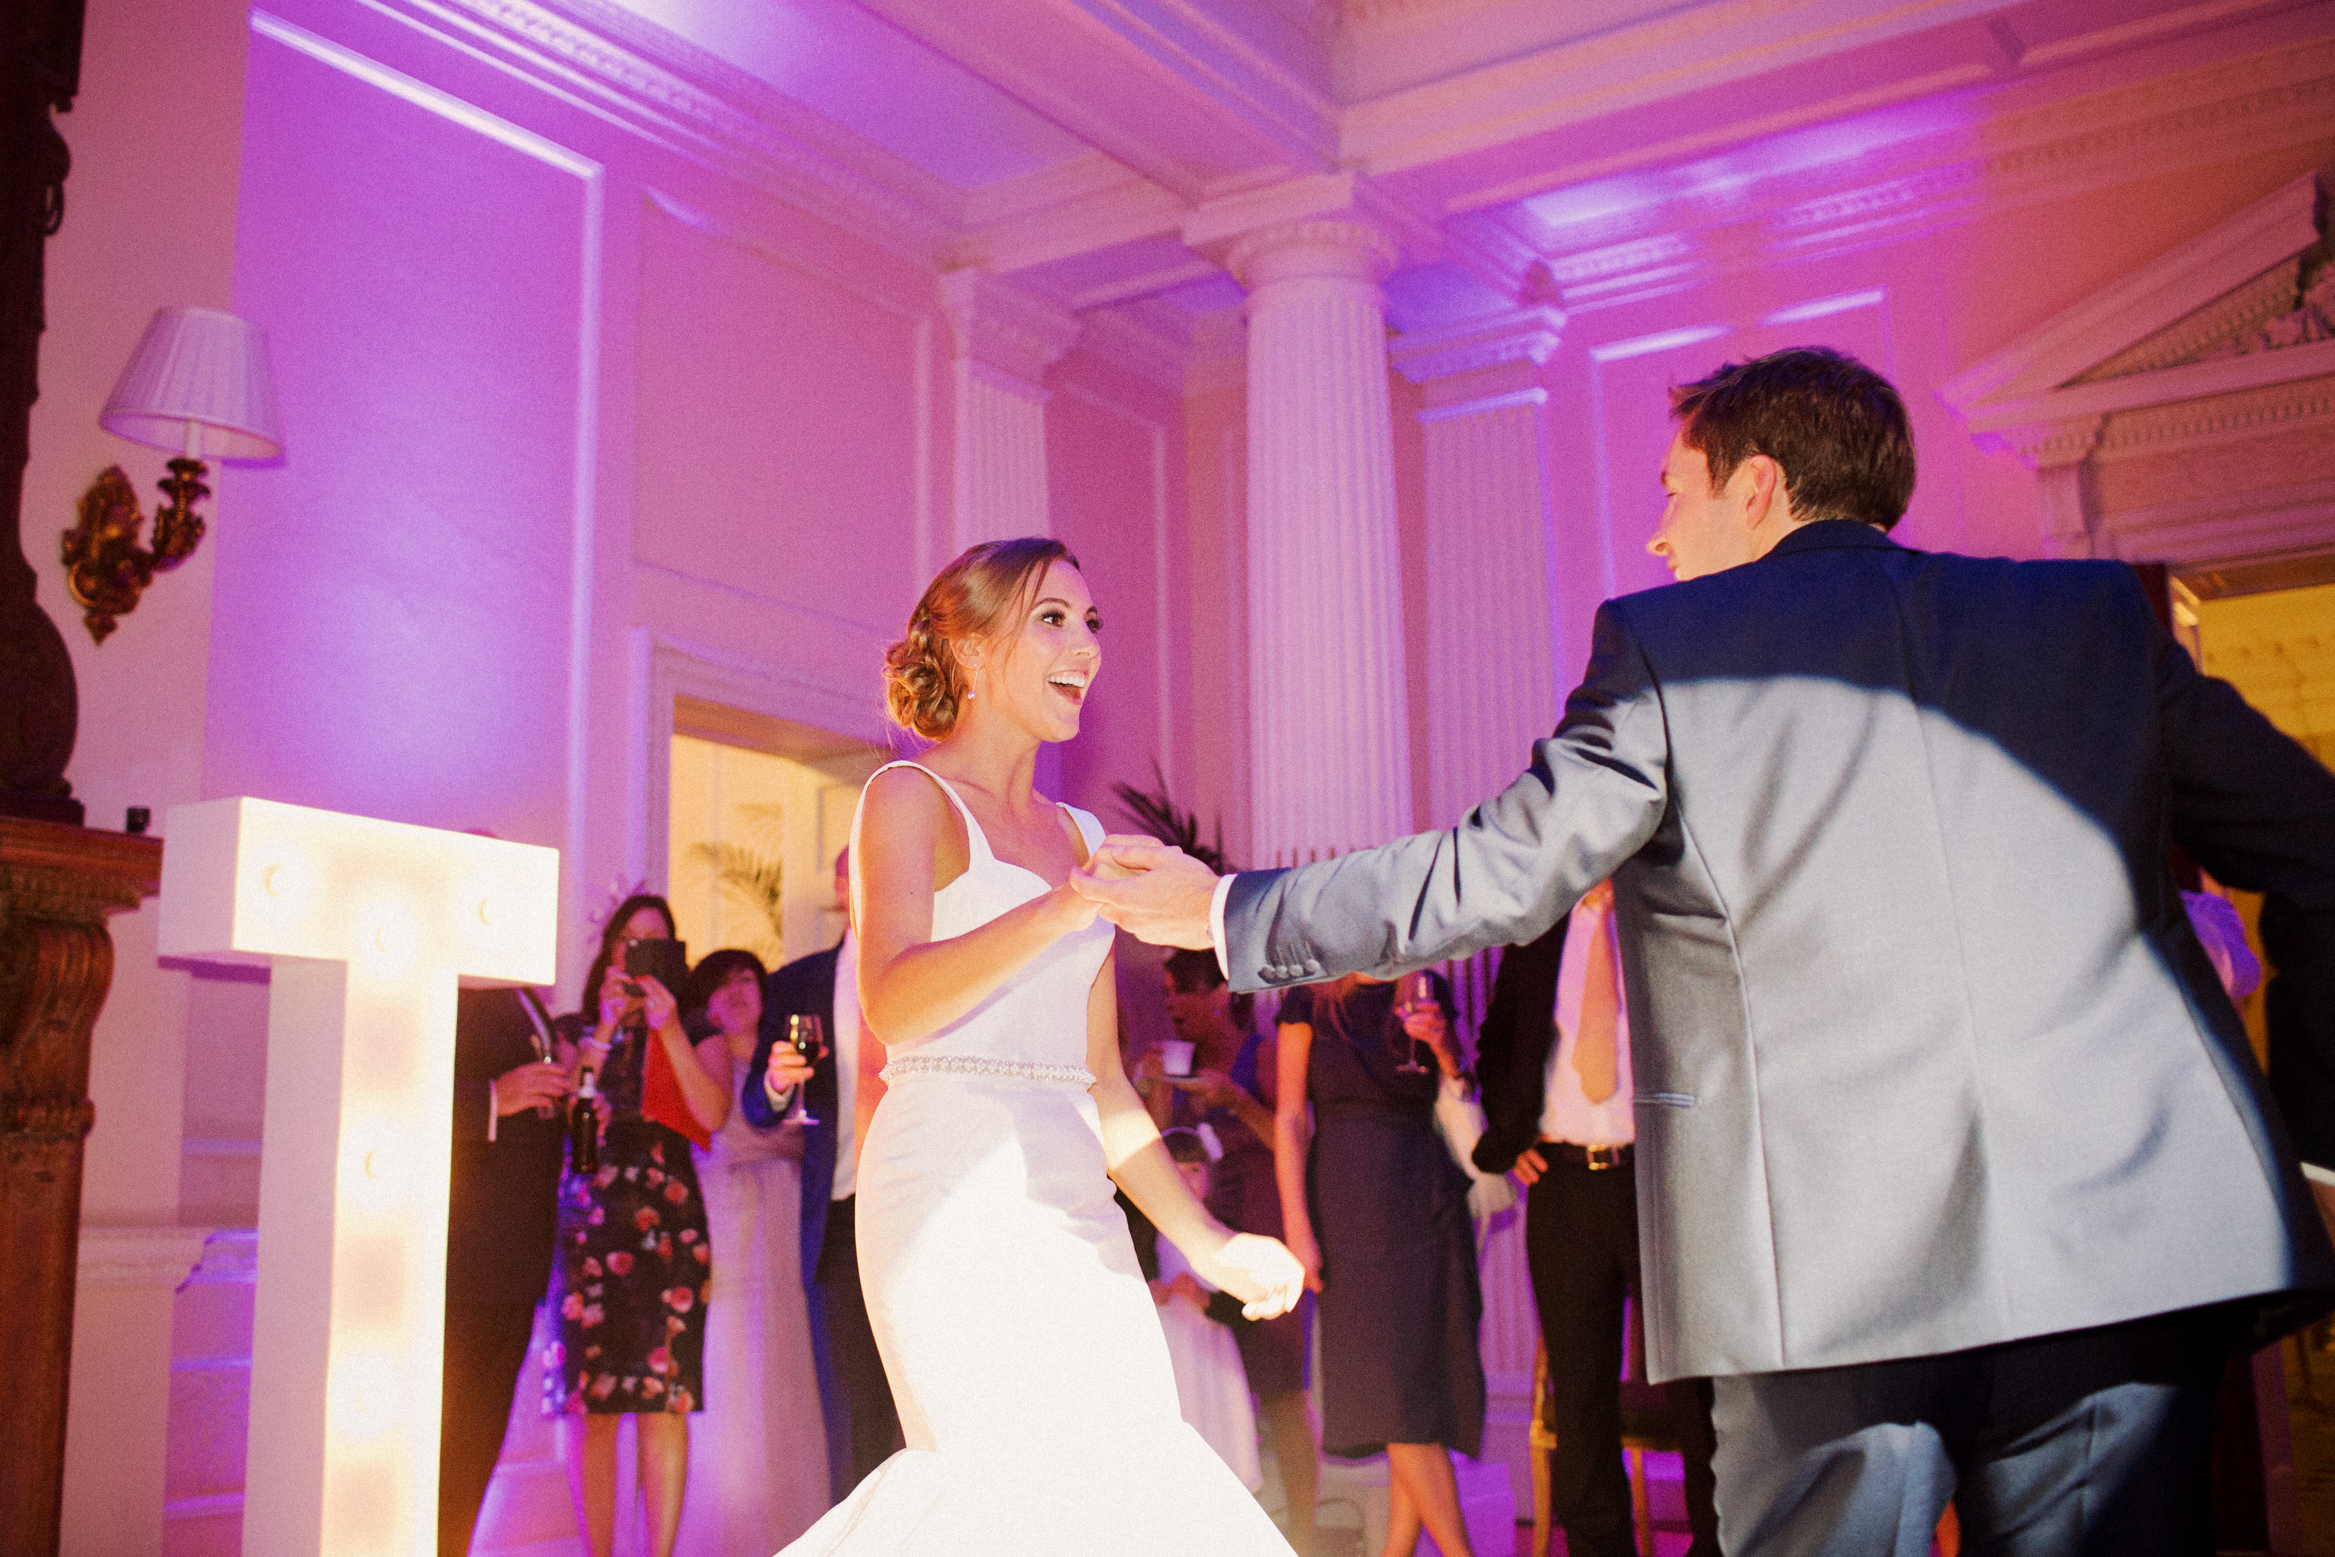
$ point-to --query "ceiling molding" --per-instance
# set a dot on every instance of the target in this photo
(1126, 212)
(1154, 343)
(2281, 98)
(608, 60)
(1525, 335)
(2193, 424)
(1088, 177)
(1218, 111)
(1584, 79)
(1245, 77)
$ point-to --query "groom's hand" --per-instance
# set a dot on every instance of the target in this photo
(1154, 892)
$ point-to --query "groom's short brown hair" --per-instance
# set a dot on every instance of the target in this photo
(1835, 427)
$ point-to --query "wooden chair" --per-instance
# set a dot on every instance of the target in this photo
(1646, 1428)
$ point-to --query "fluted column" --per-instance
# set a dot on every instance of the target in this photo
(1005, 341)
(1491, 675)
(1328, 703)
(1492, 684)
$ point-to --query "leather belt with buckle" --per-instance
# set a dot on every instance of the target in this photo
(1595, 1158)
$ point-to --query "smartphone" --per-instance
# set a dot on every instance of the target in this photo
(665, 961)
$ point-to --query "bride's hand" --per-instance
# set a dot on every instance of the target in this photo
(1259, 1271)
(1106, 863)
(1072, 909)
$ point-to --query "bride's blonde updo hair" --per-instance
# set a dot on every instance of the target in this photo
(924, 682)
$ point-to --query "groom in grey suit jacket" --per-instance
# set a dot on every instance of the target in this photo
(1956, 1170)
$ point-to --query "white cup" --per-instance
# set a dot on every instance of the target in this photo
(1175, 1057)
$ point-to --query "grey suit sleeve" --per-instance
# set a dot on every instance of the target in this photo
(1594, 794)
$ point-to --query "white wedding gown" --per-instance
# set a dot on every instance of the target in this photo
(1022, 1345)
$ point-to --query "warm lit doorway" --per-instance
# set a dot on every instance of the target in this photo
(2267, 628)
(759, 808)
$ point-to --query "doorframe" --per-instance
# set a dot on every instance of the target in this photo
(664, 669)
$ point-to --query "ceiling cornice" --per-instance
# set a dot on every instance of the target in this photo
(609, 61)
(1589, 78)
(2005, 161)
(1218, 111)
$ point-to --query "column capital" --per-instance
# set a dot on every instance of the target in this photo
(1002, 327)
(1519, 335)
(1348, 248)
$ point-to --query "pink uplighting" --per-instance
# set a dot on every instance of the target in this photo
(637, 362)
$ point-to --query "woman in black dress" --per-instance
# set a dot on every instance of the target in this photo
(633, 1254)
(1376, 1211)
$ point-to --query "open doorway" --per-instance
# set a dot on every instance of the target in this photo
(2268, 629)
(759, 808)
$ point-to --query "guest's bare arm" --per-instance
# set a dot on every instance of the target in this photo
(708, 1100)
(1256, 1270)
(1292, 1140)
(910, 844)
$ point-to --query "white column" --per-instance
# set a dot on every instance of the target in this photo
(1491, 674)
(1492, 683)
(1328, 704)
(1005, 341)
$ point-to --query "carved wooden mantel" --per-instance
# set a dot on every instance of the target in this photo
(58, 886)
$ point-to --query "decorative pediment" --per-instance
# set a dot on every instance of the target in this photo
(2246, 306)
(2226, 339)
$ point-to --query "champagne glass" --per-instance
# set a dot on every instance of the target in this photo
(806, 1035)
(1414, 994)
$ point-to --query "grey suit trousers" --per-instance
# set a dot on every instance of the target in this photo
(2059, 1446)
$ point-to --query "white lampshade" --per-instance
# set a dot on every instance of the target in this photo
(202, 366)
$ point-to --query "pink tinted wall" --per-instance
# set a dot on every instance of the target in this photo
(560, 399)
(390, 635)
(1115, 495)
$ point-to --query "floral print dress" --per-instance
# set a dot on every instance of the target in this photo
(633, 1262)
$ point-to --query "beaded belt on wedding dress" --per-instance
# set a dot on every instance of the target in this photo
(989, 1070)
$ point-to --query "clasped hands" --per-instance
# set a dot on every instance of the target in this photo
(1152, 890)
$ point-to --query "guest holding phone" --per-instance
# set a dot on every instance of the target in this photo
(633, 1254)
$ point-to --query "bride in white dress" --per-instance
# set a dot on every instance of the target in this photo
(1023, 1348)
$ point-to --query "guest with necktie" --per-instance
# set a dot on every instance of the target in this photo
(1554, 1062)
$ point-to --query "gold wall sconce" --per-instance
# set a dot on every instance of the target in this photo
(199, 382)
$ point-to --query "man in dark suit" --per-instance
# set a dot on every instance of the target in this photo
(1553, 1062)
(1955, 1168)
(863, 1425)
(502, 1220)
